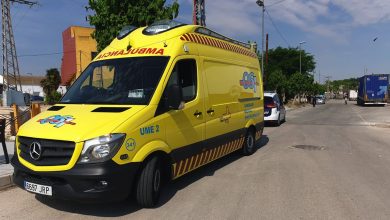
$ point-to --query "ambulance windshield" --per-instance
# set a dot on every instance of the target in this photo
(127, 81)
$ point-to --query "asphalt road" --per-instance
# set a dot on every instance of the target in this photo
(327, 162)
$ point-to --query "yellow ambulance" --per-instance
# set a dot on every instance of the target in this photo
(157, 103)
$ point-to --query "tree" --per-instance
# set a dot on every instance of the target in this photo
(283, 74)
(344, 85)
(111, 15)
(318, 89)
(50, 85)
(300, 85)
(287, 60)
(277, 81)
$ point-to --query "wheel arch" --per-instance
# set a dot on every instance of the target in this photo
(250, 126)
(156, 149)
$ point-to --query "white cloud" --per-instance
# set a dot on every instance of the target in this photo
(232, 18)
(236, 19)
(331, 19)
(366, 12)
(326, 18)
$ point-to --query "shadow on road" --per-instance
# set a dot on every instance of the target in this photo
(118, 209)
(369, 106)
(207, 170)
(273, 124)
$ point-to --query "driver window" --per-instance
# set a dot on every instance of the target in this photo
(184, 74)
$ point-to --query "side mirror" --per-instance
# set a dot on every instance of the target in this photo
(175, 97)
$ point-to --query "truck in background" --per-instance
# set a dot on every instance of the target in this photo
(373, 89)
(352, 95)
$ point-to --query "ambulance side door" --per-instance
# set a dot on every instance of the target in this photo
(185, 128)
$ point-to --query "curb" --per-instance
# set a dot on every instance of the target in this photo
(6, 181)
(380, 125)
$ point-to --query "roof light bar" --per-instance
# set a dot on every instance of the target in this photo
(126, 30)
(205, 31)
(162, 26)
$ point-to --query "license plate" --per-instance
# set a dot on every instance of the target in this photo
(37, 188)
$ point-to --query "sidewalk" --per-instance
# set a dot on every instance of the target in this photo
(6, 170)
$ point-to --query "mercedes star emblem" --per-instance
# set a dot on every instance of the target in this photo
(35, 150)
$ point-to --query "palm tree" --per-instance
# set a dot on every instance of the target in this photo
(50, 84)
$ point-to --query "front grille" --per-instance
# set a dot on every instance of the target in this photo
(53, 152)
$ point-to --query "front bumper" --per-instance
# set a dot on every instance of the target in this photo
(82, 182)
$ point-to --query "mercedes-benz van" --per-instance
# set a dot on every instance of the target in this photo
(157, 103)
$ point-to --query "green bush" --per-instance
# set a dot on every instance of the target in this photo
(53, 98)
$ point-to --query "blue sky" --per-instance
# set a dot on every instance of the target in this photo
(338, 33)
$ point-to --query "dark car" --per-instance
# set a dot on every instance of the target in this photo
(36, 98)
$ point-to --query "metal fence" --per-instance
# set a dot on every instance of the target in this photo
(9, 124)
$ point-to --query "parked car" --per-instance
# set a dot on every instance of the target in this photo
(274, 110)
(36, 98)
(320, 99)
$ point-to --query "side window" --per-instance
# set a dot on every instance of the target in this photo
(277, 100)
(184, 74)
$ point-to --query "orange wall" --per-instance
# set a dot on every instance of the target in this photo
(78, 48)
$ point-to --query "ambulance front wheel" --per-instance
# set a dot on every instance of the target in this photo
(249, 144)
(149, 183)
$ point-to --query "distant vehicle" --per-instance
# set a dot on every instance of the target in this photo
(352, 95)
(373, 89)
(274, 110)
(36, 98)
(320, 99)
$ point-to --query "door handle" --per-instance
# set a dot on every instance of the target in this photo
(197, 114)
(210, 111)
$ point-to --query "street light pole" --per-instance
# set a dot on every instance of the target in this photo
(261, 4)
(32, 86)
(300, 56)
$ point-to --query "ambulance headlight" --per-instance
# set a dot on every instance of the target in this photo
(102, 148)
(161, 26)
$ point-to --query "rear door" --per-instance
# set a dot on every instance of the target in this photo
(376, 87)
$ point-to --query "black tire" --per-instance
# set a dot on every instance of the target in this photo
(278, 122)
(249, 144)
(149, 183)
(284, 118)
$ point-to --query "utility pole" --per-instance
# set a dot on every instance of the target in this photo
(266, 49)
(261, 4)
(319, 76)
(327, 82)
(199, 13)
(11, 76)
(300, 56)
(32, 83)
